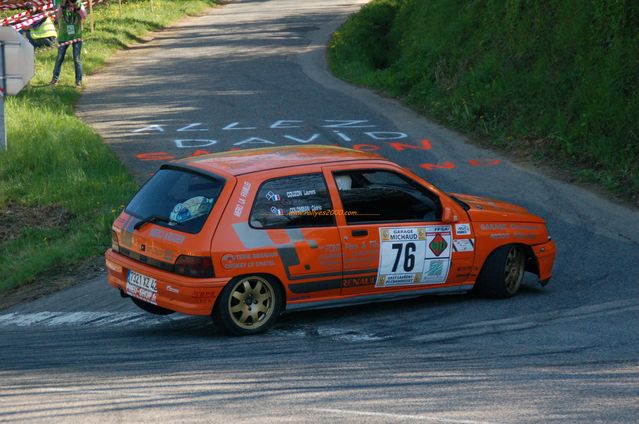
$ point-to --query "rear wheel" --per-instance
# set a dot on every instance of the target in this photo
(503, 272)
(248, 305)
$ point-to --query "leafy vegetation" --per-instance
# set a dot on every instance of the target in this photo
(59, 166)
(556, 80)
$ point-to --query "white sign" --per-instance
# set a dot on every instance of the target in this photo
(18, 60)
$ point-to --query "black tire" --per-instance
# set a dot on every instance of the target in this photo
(248, 305)
(502, 273)
(149, 307)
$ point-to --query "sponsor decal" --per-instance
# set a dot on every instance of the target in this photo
(463, 245)
(241, 201)
(165, 235)
(492, 227)
(358, 282)
(438, 245)
(248, 260)
(462, 229)
(202, 296)
(246, 187)
(529, 227)
(402, 234)
(436, 268)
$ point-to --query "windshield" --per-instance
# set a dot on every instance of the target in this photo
(177, 199)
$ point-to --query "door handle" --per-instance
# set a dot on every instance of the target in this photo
(359, 233)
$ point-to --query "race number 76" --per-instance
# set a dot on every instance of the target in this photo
(407, 252)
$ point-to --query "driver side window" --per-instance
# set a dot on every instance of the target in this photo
(384, 196)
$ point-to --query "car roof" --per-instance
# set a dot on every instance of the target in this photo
(256, 160)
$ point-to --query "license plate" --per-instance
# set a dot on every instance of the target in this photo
(142, 287)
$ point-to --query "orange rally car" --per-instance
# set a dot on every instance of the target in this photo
(246, 235)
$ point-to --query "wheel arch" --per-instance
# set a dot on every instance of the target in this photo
(531, 264)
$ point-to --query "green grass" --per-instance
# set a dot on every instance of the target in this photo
(555, 79)
(53, 158)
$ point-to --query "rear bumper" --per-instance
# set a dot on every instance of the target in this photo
(193, 296)
(545, 254)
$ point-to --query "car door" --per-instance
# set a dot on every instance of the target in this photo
(392, 235)
(295, 213)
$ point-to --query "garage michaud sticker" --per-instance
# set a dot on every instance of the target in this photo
(414, 255)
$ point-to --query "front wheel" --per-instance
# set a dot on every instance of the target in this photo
(503, 272)
(248, 305)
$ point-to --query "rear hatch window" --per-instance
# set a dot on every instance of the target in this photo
(176, 198)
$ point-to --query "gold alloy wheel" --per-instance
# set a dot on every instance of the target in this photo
(514, 269)
(251, 302)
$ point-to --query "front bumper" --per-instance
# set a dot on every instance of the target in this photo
(545, 254)
(192, 296)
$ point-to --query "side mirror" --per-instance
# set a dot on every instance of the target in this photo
(448, 216)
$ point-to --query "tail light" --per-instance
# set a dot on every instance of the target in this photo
(194, 266)
(115, 243)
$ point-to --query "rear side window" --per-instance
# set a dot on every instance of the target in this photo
(177, 199)
(293, 202)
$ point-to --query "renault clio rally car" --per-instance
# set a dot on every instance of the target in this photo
(243, 236)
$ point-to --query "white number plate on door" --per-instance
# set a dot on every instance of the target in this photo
(414, 255)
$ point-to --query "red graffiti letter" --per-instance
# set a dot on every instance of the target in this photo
(400, 147)
(155, 156)
(484, 162)
(431, 166)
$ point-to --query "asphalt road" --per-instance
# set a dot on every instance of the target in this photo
(252, 73)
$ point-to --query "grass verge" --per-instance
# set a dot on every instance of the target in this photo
(60, 186)
(556, 81)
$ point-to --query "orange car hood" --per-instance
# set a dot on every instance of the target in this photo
(483, 209)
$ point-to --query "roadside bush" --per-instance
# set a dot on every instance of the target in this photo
(557, 80)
